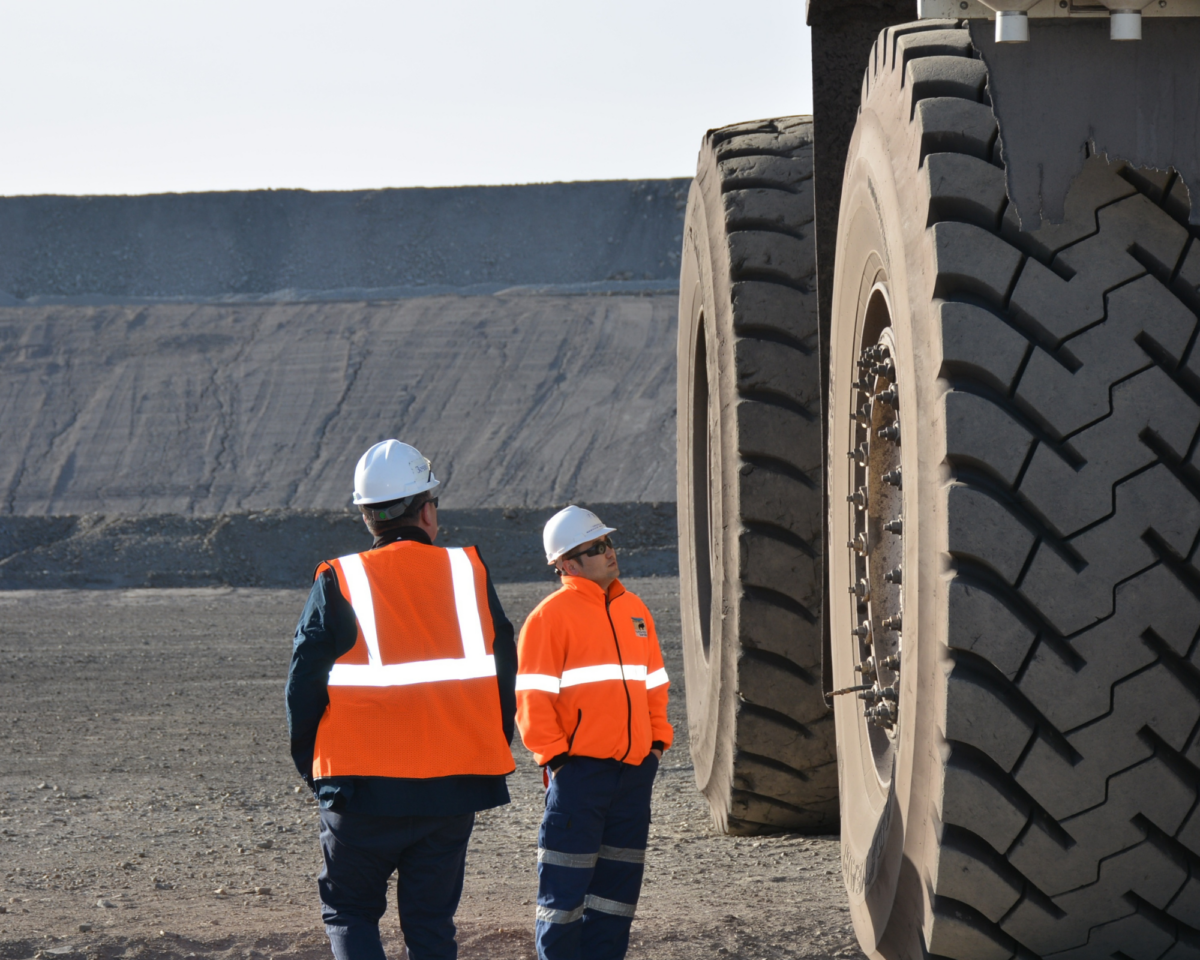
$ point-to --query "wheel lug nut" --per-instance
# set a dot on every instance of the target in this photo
(893, 576)
(894, 526)
(890, 432)
(863, 631)
(889, 397)
(862, 590)
(892, 622)
(892, 477)
(858, 498)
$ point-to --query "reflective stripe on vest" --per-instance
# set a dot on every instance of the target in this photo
(475, 662)
(578, 675)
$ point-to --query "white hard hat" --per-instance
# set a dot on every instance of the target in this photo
(391, 470)
(569, 528)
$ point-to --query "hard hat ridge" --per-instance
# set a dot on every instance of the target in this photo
(569, 528)
(391, 470)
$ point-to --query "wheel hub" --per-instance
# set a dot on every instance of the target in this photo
(876, 548)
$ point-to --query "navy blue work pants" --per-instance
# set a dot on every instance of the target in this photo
(591, 856)
(361, 852)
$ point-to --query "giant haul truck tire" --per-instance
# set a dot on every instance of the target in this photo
(750, 484)
(1022, 503)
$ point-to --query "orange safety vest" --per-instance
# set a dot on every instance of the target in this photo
(416, 696)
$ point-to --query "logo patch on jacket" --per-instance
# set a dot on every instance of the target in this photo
(639, 626)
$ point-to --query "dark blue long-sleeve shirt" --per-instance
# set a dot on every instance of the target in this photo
(328, 630)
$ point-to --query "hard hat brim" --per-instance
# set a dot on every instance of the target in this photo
(432, 484)
(603, 533)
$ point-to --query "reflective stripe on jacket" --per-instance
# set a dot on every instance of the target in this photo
(416, 695)
(590, 676)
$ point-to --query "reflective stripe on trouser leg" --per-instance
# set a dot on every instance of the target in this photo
(617, 880)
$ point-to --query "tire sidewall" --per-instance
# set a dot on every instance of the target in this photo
(880, 821)
(710, 693)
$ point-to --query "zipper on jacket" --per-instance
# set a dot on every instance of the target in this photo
(624, 683)
(578, 724)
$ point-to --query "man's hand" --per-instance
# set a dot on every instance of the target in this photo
(656, 752)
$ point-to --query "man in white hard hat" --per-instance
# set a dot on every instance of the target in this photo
(400, 705)
(592, 707)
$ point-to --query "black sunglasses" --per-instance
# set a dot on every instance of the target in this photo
(603, 545)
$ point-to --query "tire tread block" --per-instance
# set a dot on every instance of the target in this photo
(951, 124)
(1150, 789)
(799, 748)
(971, 261)
(1114, 550)
(764, 208)
(980, 713)
(779, 689)
(779, 255)
(759, 306)
(766, 430)
(981, 527)
(1099, 263)
(1106, 353)
(773, 369)
(962, 187)
(778, 171)
(1153, 699)
(781, 567)
(769, 496)
(1156, 600)
(1071, 499)
(983, 624)
(981, 432)
(978, 345)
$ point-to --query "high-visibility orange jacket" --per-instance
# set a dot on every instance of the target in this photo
(590, 676)
(416, 695)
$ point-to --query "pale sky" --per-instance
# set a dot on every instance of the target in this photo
(130, 96)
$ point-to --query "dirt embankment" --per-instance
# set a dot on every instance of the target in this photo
(279, 548)
(200, 410)
(149, 808)
(362, 243)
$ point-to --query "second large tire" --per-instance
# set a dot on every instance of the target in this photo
(750, 478)
(1023, 506)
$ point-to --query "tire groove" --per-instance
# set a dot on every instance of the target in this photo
(771, 762)
(1184, 933)
(779, 662)
(762, 594)
(969, 758)
(1024, 414)
(760, 183)
(772, 531)
(986, 674)
(1023, 509)
(971, 844)
(780, 467)
(758, 225)
(766, 713)
(764, 334)
(983, 578)
(780, 401)
(779, 278)
(771, 801)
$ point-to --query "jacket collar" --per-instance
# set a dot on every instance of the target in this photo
(591, 590)
(402, 533)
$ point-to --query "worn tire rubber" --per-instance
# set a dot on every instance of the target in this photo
(750, 478)
(1045, 793)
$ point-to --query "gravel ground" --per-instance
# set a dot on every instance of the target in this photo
(149, 808)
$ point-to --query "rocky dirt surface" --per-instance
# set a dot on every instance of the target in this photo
(149, 808)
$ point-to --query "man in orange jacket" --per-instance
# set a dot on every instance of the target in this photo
(592, 707)
(400, 708)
